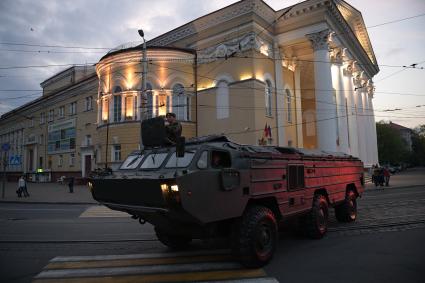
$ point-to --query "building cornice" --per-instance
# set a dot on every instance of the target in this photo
(29, 108)
(218, 17)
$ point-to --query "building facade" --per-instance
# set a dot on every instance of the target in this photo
(300, 77)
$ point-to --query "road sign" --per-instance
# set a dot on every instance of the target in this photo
(15, 160)
(5, 147)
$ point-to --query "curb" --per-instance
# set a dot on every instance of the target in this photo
(393, 188)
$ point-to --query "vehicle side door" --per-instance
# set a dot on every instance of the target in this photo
(296, 202)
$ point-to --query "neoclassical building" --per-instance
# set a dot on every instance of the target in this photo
(300, 77)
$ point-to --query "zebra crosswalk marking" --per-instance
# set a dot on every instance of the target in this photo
(102, 211)
(161, 267)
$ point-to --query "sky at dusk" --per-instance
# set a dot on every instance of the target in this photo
(107, 24)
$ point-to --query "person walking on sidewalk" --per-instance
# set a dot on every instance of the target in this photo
(71, 184)
(387, 176)
(22, 187)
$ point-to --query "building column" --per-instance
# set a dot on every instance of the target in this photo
(351, 109)
(371, 135)
(280, 115)
(368, 130)
(298, 106)
(361, 121)
(123, 107)
(325, 106)
(338, 85)
(99, 102)
(111, 109)
(374, 140)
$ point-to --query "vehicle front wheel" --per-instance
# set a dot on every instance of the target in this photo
(176, 242)
(256, 237)
(347, 211)
(316, 222)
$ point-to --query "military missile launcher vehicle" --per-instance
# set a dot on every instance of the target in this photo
(212, 187)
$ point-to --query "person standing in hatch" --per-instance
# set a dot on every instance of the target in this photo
(173, 128)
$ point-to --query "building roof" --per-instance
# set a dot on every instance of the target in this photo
(399, 127)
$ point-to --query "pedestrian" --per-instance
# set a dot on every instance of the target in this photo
(20, 187)
(381, 176)
(375, 176)
(71, 184)
(173, 128)
(22, 184)
(387, 175)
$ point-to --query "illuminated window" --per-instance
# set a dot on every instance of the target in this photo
(222, 100)
(129, 104)
(289, 105)
(180, 103)
(268, 98)
(105, 109)
(117, 108)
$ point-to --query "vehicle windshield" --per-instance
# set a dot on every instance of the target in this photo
(132, 162)
(179, 162)
(154, 160)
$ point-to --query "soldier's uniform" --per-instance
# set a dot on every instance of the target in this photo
(174, 131)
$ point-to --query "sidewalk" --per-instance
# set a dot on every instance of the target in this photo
(48, 193)
(409, 177)
(56, 193)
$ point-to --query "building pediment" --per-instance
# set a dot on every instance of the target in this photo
(354, 19)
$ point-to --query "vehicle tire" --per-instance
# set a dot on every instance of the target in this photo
(347, 211)
(175, 242)
(255, 237)
(316, 221)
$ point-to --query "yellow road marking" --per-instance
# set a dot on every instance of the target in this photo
(171, 277)
(139, 261)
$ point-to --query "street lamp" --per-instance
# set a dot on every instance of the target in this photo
(143, 90)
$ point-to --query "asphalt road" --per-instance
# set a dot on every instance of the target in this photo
(386, 244)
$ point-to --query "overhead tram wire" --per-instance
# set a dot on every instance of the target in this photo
(109, 48)
(402, 70)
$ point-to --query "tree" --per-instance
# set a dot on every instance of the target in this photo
(391, 147)
(418, 146)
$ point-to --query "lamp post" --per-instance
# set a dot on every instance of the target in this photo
(143, 90)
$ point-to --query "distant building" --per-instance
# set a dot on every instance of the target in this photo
(405, 134)
(301, 77)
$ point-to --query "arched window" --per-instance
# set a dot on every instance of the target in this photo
(117, 89)
(289, 105)
(180, 103)
(268, 98)
(222, 100)
(149, 102)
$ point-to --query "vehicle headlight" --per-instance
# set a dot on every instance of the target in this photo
(90, 185)
(174, 188)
